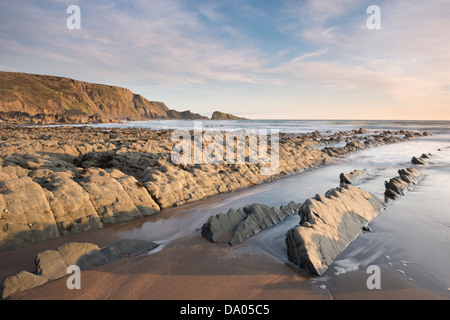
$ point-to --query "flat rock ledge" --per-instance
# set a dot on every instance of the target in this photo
(328, 224)
(246, 222)
(53, 264)
(399, 185)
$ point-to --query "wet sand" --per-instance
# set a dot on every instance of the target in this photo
(192, 268)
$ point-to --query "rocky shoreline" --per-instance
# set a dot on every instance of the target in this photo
(327, 226)
(73, 117)
(54, 264)
(60, 180)
(328, 223)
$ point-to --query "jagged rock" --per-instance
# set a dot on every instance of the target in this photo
(245, 222)
(220, 224)
(58, 181)
(399, 185)
(354, 176)
(328, 224)
(419, 161)
(362, 131)
(426, 156)
(259, 218)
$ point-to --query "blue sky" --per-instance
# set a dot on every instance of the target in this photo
(288, 59)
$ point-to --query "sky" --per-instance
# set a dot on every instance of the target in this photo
(261, 59)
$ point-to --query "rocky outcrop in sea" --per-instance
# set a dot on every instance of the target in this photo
(399, 185)
(245, 223)
(327, 226)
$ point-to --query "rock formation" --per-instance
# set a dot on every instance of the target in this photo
(60, 180)
(246, 222)
(399, 185)
(327, 226)
(421, 160)
(53, 264)
(329, 223)
(184, 115)
(217, 115)
(354, 176)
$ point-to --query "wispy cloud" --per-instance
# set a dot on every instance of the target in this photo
(269, 46)
(408, 59)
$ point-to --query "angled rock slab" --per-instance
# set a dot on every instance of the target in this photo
(328, 224)
(127, 248)
(220, 224)
(21, 282)
(259, 218)
(418, 161)
(399, 185)
(246, 222)
(355, 176)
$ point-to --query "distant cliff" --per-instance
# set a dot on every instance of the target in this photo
(41, 95)
(217, 115)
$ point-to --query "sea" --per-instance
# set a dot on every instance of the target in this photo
(287, 126)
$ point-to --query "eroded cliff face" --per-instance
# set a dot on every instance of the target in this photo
(48, 95)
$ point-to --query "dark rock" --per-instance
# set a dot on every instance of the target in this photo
(399, 185)
(327, 226)
(426, 156)
(246, 222)
(220, 224)
(127, 248)
(259, 218)
(418, 161)
(354, 176)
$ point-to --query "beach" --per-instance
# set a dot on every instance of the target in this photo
(187, 266)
